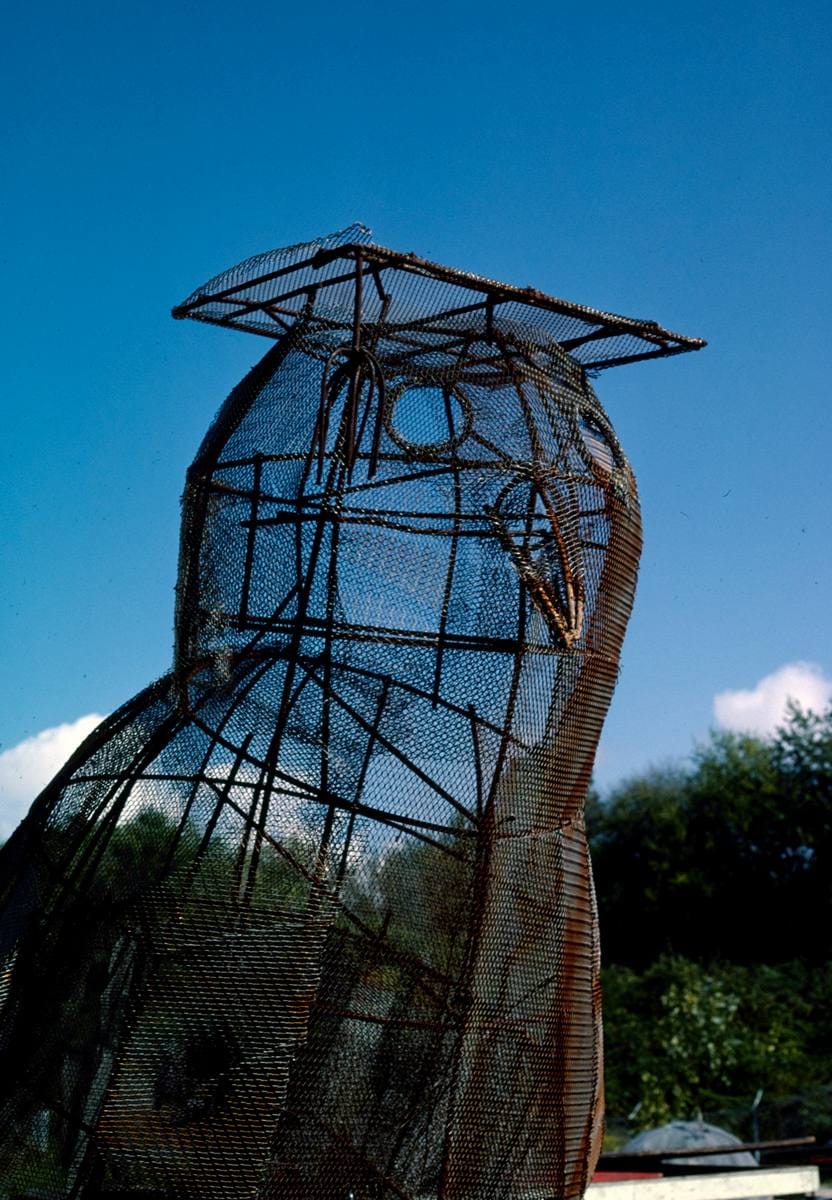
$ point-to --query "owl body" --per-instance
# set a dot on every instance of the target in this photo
(313, 915)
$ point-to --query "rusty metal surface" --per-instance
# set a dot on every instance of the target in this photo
(313, 915)
(315, 280)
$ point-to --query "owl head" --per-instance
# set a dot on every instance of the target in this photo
(420, 456)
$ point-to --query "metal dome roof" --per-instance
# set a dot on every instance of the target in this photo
(685, 1135)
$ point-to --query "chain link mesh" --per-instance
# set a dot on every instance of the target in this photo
(313, 915)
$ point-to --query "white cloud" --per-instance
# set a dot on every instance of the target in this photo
(26, 768)
(762, 708)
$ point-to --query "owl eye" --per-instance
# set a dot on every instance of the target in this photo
(427, 420)
(598, 444)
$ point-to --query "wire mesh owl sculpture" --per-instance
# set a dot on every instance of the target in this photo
(312, 916)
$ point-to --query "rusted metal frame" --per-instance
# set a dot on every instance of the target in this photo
(369, 514)
(193, 792)
(393, 749)
(387, 519)
(488, 828)
(573, 579)
(506, 346)
(602, 364)
(248, 862)
(375, 445)
(299, 786)
(317, 444)
(540, 593)
(245, 880)
(172, 777)
(69, 776)
(80, 870)
(406, 959)
(326, 686)
(570, 629)
(292, 788)
(244, 876)
(412, 264)
(528, 355)
(418, 348)
(244, 307)
(504, 460)
(367, 522)
(332, 566)
(431, 351)
(198, 479)
(353, 489)
(517, 667)
(381, 704)
(233, 464)
(365, 416)
(330, 388)
(475, 720)
(213, 820)
(264, 625)
(317, 325)
(353, 370)
(318, 286)
(462, 464)
(415, 827)
(383, 296)
(268, 774)
(184, 310)
(460, 333)
(429, 321)
(317, 322)
(295, 787)
(292, 659)
(232, 322)
(467, 464)
(452, 555)
(418, 1104)
(252, 534)
(244, 873)
(71, 866)
(357, 366)
(257, 330)
(415, 637)
(455, 641)
(479, 891)
(368, 364)
(507, 293)
(404, 686)
(597, 334)
(285, 326)
(596, 365)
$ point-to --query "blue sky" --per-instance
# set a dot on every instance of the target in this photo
(664, 161)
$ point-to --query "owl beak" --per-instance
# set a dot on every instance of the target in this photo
(560, 600)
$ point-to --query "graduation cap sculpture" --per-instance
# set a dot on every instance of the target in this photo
(312, 916)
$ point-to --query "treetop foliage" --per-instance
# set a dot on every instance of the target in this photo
(728, 859)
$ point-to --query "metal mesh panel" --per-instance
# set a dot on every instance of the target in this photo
(313, 915)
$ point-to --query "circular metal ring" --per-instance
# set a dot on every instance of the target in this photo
(428, 449)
